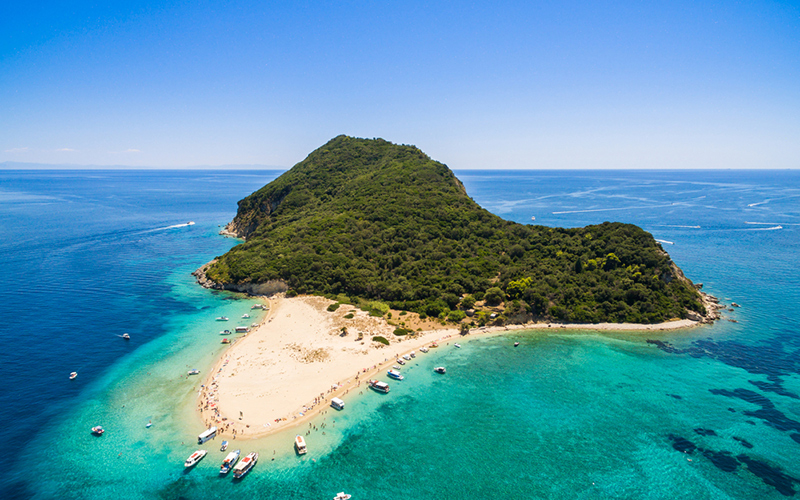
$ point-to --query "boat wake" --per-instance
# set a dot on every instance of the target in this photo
(610, 209)
(190, 223)
(773, 228)
(665, 241)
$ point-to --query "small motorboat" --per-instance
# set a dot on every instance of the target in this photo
(194, 371)
(190, 223)
(226, 341)
(395, 375)
(406, 357)
(245, 316)
(434, 345)
(73, 375)
(194, 458)
(412, 354)
(98, 430)
(379, 386)
(423, 349)
(342, 496)
(516, 344)
(149, 424)
(400, 361)
(396, 367)
(225, 332)
(300, 445)
(458, 345)
(126, 336)
(222, 318)
(224, 446)
(440, 369)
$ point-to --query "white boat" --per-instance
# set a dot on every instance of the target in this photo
(73, 375)
(406, 357)
(423, 349)
(126, 336)
(242, 329)
(458, 345)
(148, 425)
(229, 461)
(225, 332)
(342, 496)
(190, 223)
(245, 465)
(337, 403)
(440, 369)
(395, 375)
(516, 344)
(194, 371)
(412, 354)
(207, 434)
(533, 217)
(400, 361)
(395, 367)
(222, 318)
(300, 445)
(245, 316)
(379, 386)
(224, 446)
(98, 430)
(194, 458)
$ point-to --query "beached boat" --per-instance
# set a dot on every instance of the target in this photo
(412, 354)
(222, 318)
(395, 367)
(194, 371)
(98, 430)
(440, 369)
(245, 465)
(423, 349)
(400, 361)
(406, 357)
(379, 386)
(194, 458)
(73, 375)
(342, 496)
(300, 445)
(434, 345)
(126, 336)
(229, 461)
(225, 332)
(242, 329)
(207, 434)
(458, 345)
(337, 403)
(245, 316)
(226, 341)
(395, 375)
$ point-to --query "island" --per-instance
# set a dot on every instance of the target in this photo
(369, 250)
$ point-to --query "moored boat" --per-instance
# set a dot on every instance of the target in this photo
(440, 369)
(98, 430)
(194, 371)
(73, 375)
(434, 345)
(245, 316)
(412, 354)
(406, 357)
(226, 341)
(337, 403)
(516, 344)
(342, 496)
(400, 361)
(458, 345)
(379, 386)
(245, 465)
(300, 445)
(194, 458)
(225, 332)
(395, 374)
(423, 349)
(224, 446)
(229, 461)
(222, 318)
(207, 434)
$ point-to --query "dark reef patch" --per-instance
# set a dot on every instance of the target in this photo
(682, 444)
(772, 476)
(723, 460)
(675, 396)
(768, 412)
(743, 442)
(705, 432)
(795, 437)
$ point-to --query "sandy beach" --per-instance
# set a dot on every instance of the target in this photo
(286, 370)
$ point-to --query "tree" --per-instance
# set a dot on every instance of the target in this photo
(494, 296)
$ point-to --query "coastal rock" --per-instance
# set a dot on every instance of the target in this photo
(267, 288)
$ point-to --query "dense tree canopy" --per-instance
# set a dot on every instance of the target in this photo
(376, 220)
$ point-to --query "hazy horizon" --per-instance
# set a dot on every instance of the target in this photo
(489, 85)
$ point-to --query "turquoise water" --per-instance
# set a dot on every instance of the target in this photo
(711, 412)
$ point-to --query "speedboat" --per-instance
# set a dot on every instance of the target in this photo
(342, 496)
(98, 430)
(406, 357)
(300, 445)
(226, 341)
(245, 316)
(224, 446)
(229, 461)
(194, 371)
(516, 344)
(149, 424)
(423, 349)
(458, 345)
(190, 223)
(440, 369)
(225, 332)
(126, 336)
(395, 375)
(379, 386)
(73, 375)
(245, 465)
(400, 361)
(395, 367)
(434, 345)
(194, 458)
(222, 318)
(412, 354)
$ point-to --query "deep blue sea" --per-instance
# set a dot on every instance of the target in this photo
(705, 413)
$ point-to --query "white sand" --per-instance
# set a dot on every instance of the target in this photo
(273, 374)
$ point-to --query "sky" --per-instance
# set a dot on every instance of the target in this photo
(475, 85)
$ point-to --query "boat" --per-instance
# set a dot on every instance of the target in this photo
(226, 341)
(337, 403)
(98, 430)
(395, 367)
(222, 318)
(245, 316)
(126, 336)
(300, 445)
(395, 375)
(242, 329)
(194, 371)
(190, 223)
(406, 357)
(225, 332)
(379, 386)
(412, 354)
(400, 361)
(434, 345)
(229, 461)
(148, 425)
(245, 465)
(533, 217)
(440, 369)
(207, 434)
(194, 458)
(73, 375)
(458, 345)
(516, 344)
(342, 496)
(224, 446)
(423, 349)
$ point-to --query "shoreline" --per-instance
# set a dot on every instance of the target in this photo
(284, 372)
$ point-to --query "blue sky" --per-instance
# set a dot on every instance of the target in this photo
(554, 84)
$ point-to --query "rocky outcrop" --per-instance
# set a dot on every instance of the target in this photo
(268, 288)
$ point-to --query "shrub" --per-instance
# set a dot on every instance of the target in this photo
(333, 307)
(401, 331)
(348, 316)
(380, 340)
(468, 302)
(291, 293)
(456, 316)
(494, 296)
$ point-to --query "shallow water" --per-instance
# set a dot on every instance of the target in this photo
(711, 412)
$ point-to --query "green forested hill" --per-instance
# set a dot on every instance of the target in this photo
(372, 219)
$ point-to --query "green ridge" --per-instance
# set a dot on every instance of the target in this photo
(370, 219)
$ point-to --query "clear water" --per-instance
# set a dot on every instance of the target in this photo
(711, 412)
